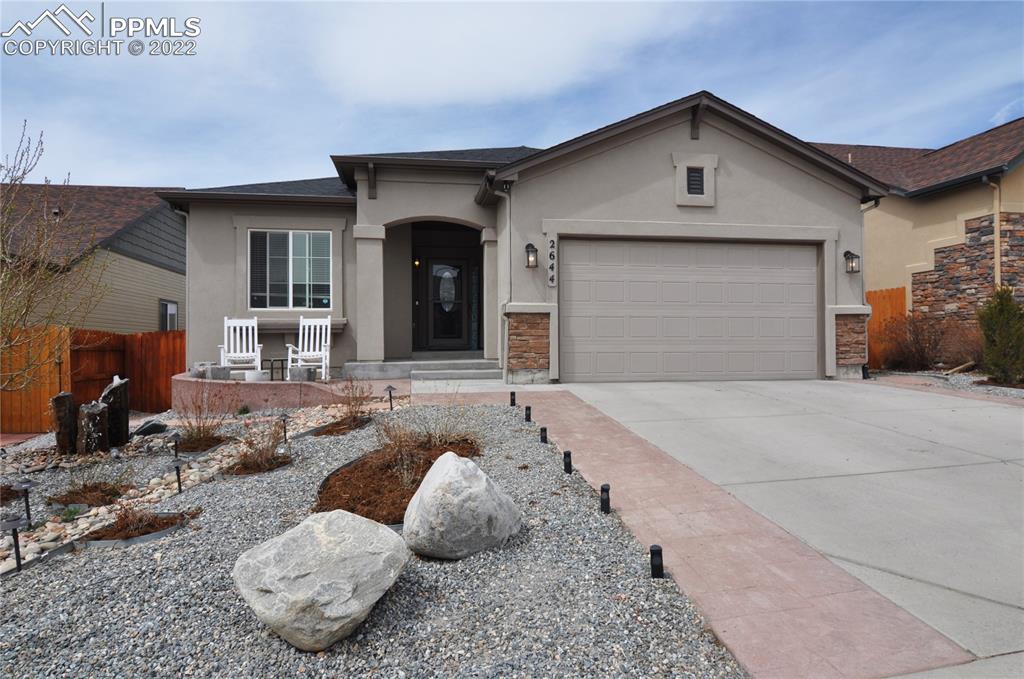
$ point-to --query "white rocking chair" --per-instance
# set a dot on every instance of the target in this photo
(240, 350)
(314, 350)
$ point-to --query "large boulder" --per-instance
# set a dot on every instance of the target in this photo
(315, 583)
(458, 511)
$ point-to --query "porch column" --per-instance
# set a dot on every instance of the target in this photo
(489, 241)
(369, 239)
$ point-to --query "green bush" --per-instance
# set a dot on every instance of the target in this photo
(1002, 327)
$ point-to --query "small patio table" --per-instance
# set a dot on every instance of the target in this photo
(282, 362)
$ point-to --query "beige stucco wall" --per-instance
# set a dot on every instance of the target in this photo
(130, 295)
(626, 187)
(217, 263)
(902, 234)
(398, 292)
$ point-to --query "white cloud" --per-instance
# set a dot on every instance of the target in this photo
(434, 54)
(1007, 113)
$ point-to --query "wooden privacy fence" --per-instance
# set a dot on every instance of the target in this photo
(886, 305)
(89, 360)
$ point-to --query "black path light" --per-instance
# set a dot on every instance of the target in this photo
(543, 434)
(13, 525)
(606, 500)
(177, 475)
(284, 426)
(391, 401)
(512, 398)
(24, 485)
(529, 413)
(175, 438)
(567, 461)
(657, 562)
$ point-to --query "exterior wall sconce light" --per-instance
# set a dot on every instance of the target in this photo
(416, 263)
(852, 262)
(531, 256)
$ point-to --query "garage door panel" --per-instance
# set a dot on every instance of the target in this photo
(676, 311)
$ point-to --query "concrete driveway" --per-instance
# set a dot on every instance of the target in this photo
(919, 495)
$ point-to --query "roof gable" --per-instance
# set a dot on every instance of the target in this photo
(697, 104)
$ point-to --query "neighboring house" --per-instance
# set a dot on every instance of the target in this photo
(692, 241)
(935, 234)
(137, 241)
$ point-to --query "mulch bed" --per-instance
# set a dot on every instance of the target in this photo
(201, 444)
(344, 426)
(8, 495)
(140, 523)
(372, 486)
(94, 494)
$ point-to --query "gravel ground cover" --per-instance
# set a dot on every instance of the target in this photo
(971, 382)
(570, 596)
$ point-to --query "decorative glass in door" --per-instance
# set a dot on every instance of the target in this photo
(447, 302)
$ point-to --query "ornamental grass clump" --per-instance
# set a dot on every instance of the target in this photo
(1002, 328)
(199, 423)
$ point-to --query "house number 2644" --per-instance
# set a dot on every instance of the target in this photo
(552, 263)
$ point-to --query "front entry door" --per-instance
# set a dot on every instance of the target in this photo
(447, 318)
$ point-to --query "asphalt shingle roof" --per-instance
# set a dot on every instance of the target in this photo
(916, 169)
(89, 214)
(322, 186)
(499, 156)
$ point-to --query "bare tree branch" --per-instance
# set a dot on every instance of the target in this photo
(49, 271)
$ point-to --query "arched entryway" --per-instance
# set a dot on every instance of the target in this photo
(434, 284)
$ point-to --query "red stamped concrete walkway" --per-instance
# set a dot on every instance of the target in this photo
(781, 608)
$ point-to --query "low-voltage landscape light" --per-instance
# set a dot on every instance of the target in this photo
(512, 398)
(177, 475)
(606, 500)
(543, 434)
(24, 485)
(391, 402)
(657, 562)
(528, 414)
(567, 461)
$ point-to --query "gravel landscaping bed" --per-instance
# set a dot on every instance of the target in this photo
(971, 382)
(571, 595)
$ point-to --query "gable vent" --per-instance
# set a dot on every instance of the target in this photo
(695, 181)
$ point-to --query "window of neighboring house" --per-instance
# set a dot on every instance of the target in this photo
(168, 315)
(289, 269)
(695, 181)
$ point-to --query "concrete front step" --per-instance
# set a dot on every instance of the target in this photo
(491, 374)
(387, 370)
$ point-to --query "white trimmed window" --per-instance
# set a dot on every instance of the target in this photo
(289, 269)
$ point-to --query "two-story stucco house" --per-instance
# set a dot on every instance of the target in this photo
(691, 241)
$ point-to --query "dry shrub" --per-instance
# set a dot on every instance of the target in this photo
(259, 446)
(913, 342)
(199, 423)
(401, 445)
(92, 493)
(130, 521)
(354, 397)
(962, 343)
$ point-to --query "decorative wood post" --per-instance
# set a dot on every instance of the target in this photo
(65, 422)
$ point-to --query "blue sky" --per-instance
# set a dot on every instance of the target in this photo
(276, 87)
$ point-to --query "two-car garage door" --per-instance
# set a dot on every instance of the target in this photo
(653, 310)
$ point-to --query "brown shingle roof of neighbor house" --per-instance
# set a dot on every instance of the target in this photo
(90, 215)
(916, 171)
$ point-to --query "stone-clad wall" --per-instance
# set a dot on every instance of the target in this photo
(851, 339)
(1011, 235)
(529, 341)
(962, 278)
